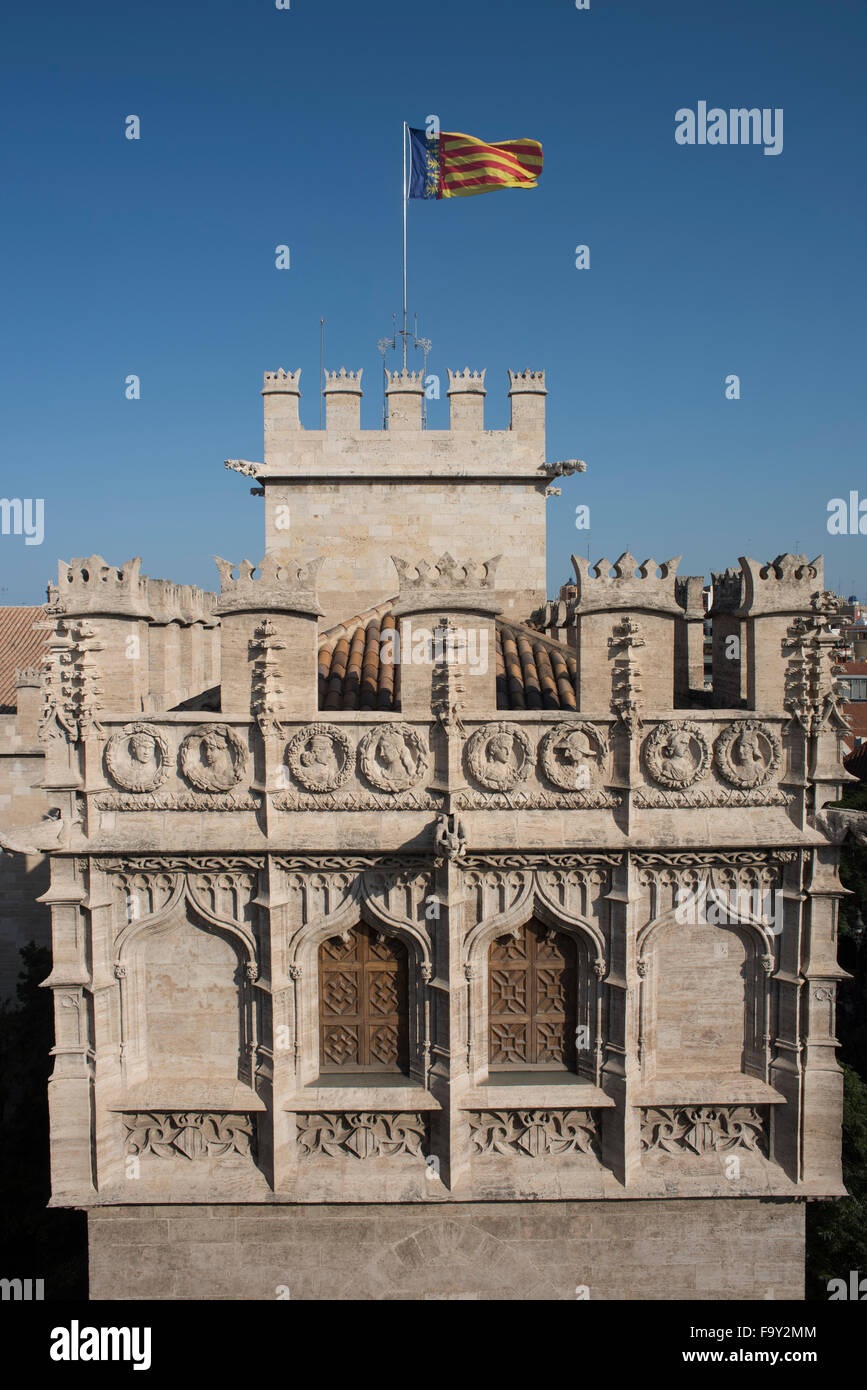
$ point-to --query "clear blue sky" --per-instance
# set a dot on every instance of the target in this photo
(262, 126)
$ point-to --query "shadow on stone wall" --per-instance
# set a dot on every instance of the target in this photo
(36, 1243)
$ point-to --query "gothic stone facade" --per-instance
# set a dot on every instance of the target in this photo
(415, 937)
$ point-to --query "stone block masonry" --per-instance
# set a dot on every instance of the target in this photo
(706, 1249)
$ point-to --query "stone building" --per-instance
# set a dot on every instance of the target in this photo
(416, 937)
(23, 877)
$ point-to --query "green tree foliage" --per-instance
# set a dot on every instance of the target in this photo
(837, 1231)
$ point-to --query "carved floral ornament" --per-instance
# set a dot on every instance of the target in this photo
(213, 759)
(320, 757)
(499, 756)
(393, 757)
(188, 1134)
(747, 753)
(573, 756)
(138, 758)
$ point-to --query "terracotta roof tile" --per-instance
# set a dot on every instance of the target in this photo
(532, 671)
(20, 647)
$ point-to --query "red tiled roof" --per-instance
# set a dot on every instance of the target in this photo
(532, 671)
(20, 647)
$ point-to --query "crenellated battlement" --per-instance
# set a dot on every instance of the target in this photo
(727, 590)
(30, 676)
(343, 380)
(183, 603)
(283, 382)
(629, 586)
(92, 585)
(446, 584)
(276, 583)
(466, 380)
(357, 494)
(783, 585)
(404, 380)
(527, 381)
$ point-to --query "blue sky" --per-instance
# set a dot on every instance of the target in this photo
(262, 126)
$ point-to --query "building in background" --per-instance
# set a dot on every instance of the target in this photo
(23, 877)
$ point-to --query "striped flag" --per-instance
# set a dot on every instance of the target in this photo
(451, 165)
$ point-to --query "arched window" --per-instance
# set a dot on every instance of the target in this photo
(363, 1003)
(532, 981)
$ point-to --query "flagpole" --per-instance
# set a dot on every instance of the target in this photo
(404, 245)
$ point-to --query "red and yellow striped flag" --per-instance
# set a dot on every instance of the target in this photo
(468, 165)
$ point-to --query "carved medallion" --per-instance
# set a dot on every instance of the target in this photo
(213, 759)
(393, 758)
(572, 755)
(677, 753)
(747, 753)
(499, 756)
(137, 759)
(320, 757)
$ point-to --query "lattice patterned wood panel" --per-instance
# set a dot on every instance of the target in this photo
(531, 991)
(363, 1003)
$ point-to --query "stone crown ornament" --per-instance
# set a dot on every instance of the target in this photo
(276, 583)
(631, 586)
(446, 584)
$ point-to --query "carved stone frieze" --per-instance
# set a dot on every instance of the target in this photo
(533, 1133)
(175, 863)
(555, 859)
(393, 758)
(594, 799)
(320, 758)
(748, 753)
(499, 756)
(358, 801)
(177, 801)
(366, 1134)
(213, 759)
(392, 864)
(676, 753)
(650, 798)
(188, 1134)
(572, 756)
(700, 1129)
(138, 759)
(736, 858)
